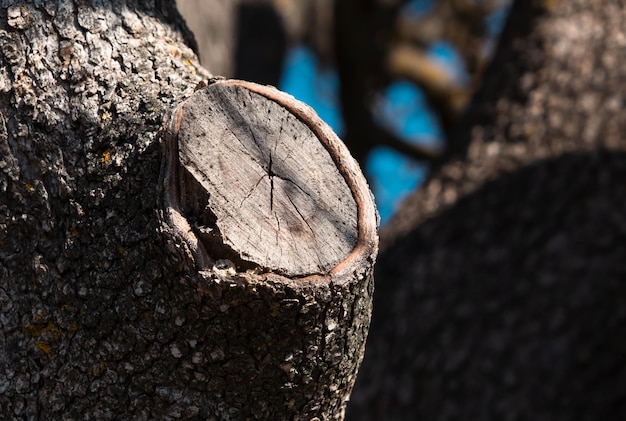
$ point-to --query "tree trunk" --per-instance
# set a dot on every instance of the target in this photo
(500, 288)
(214, 24)
(135, 281)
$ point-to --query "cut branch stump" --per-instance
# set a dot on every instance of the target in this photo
(282, 228)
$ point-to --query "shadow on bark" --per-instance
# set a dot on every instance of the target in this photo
(508, 305)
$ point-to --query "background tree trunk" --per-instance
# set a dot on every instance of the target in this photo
(214, 25)
(104, 314)
(500, 291)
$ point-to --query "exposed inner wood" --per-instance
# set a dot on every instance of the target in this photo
(261, 185)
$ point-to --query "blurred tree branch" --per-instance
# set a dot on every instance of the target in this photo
(376, 42)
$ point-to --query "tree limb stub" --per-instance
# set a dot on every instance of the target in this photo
(283, 229)
(254, 176)
(103, 315)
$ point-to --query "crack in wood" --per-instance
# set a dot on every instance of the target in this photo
(270, 173)
(301, 216)
(252, 190)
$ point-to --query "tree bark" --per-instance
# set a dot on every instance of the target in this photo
(112, 304)
(500, 287)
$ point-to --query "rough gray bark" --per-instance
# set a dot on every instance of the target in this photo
(500, 292)
(103, 312)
